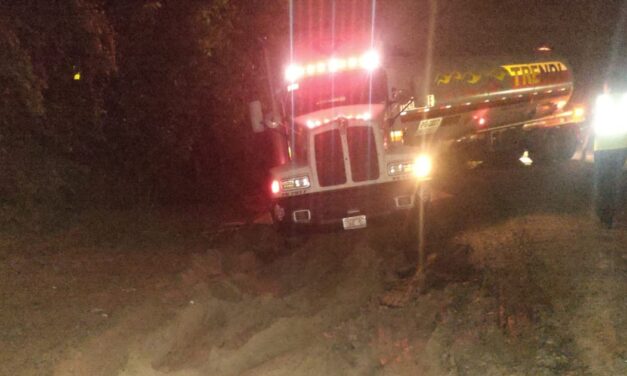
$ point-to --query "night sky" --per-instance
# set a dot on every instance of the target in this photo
(582, 32)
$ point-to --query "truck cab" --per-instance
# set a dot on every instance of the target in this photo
(343, 168)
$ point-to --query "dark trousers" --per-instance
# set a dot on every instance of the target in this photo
(608, 167)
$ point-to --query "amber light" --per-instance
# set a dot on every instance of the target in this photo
(579, 112)
(396, 136)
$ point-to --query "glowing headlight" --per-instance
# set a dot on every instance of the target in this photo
(400, 168)
(611, 115)
(423, 166)
(295, 183)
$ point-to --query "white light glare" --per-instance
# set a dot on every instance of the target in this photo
(294, 72)
(274, 187)
(371, 60)
(336, 64)
(610, 115)
(579, 112)
(423, 166)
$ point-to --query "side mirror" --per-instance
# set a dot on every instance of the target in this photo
(271, 121)
(256, 116)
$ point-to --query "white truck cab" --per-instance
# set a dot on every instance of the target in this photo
(343, 167)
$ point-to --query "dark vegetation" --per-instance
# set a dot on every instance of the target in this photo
(128, 103)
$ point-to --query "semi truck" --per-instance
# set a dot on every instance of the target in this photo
(491, 108)
(359, 131)
(335, 115)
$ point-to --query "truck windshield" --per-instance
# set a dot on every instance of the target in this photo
(340, 89)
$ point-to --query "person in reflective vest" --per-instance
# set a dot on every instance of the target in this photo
(610, 151)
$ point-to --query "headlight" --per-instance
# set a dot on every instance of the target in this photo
(423, 166)
(400, 168)
(610, 115)
(295, 183)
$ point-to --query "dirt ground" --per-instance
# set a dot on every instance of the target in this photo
(521, 281)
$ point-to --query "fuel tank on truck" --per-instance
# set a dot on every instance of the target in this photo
(464, 96)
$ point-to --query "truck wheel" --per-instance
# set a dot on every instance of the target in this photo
(281, 227)
(544, 146)
(554, 145)
(504, 158)
(411, 236)
(568, 141)
(290, 238)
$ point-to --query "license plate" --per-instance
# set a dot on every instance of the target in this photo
(429, 125)
(351, 223)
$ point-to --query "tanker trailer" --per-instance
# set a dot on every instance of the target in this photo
(491, 109)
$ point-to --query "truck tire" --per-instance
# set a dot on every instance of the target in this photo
(543, 146)
(568, 141)
(290, 237)
(506, 148)
(559, 144)
(410, 239)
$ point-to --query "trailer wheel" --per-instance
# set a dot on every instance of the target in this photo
(543, 146)
(568, 141)
(554, 145)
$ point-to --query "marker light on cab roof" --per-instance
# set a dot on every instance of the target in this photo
(311, 123)
(294, 72)
(369, 61)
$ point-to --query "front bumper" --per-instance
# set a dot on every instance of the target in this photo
(329, 207)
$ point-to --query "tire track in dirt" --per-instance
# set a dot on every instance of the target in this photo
(245, 334)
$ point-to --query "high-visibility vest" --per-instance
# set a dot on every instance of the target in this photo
(610, 142)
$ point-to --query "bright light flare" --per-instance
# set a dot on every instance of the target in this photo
(423, 166)
(396, 136)
(321, 67)
(275, 187)
(370, 60)
(294, 72)
(611, 111)
(579, 112)
(336, 65)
